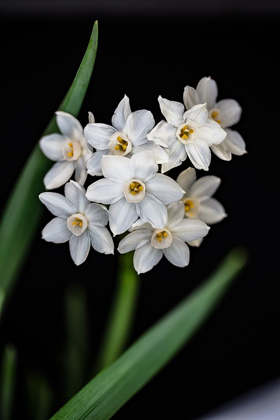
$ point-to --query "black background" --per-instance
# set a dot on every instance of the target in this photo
(144, 56)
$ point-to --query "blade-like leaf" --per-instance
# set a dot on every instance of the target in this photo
(111, 388)
(8, 382)
(23, 204)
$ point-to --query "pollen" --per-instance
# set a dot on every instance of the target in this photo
(78, 222)
(122, 146)
(71, 152)
(135, 188)
(214, 114)
(185, 131)
(161, 235)
(189, 205)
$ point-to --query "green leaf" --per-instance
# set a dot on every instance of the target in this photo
(114, 386)
(122, 313)
(23, 210)
(7, 382)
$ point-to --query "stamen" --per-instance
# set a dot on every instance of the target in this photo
(184, 132)
(214, 114)
(161, 235)
(78, 222)
(188, 205)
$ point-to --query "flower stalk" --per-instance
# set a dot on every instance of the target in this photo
(122, 312)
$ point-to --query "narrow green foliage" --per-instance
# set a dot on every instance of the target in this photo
(7, 382)
(23, 204)
(114, 386)
(39, 397)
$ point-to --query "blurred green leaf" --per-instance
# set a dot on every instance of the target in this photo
(114, 386)
(122, 313)
(8, 379)
(23, 210)
(40, 397)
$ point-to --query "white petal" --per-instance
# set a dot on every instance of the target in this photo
(138, 125)
(163, 134)
(146, 257)
(134, 240)
(211, 132)
(205, 187)
(91, 118)
(230, 112)
(101, 240)
(59, 174)
(80, 171)
(151, 210)
(177, 154)
(211, 211)
(106, 191)
(195, 243)
(190, 230)
(175, 214)
(173, 111)
(98, 135)
(197, 113)
(159, 155)
(57, 204)
(186, 179)
(164, 188)
(122, 215)
(139, 224)
(94, 163)
(221, 150)
(178, 253)
(199, 153)
(191, 97)
(121, 114)
(235, 142)
(69, 125)
(116, 167)
(143, 166)
(56, 231)
(75, 193)
(52, 146)
(97, 214)
(79, 247)
(207, 91)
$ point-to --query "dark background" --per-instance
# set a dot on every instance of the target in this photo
(143, 52)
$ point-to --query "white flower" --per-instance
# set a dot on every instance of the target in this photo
(151, 244)
(134, 189)
(127, 136)
(78, 221)
(226, 112)
(186, 134)
(69, 149)
(198, 199)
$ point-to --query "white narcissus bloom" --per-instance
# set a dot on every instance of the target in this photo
(127, 136)
(134, 189)
(69, 149)
(198, 199)
(151, 244)
(189, 133)
(226, 112)
(78, 221)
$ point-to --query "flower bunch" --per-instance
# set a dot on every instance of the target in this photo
(162, 216)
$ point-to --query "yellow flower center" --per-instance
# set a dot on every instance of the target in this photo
(161, 235)
(77, 222)
(188, 205)
(135, 188)
(185, 132)
(214, 116)
(122, 144)
(71, 152)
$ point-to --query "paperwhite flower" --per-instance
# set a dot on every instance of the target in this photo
(186, 134)
(134, 189)
(127, 136)
(69, 149)
(151, 244)
(198, 199)
(78, 221)
(226, 112)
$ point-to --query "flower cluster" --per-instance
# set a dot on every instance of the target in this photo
(162, 216)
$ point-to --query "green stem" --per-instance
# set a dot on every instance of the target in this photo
(122, 313)
(8, 377)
